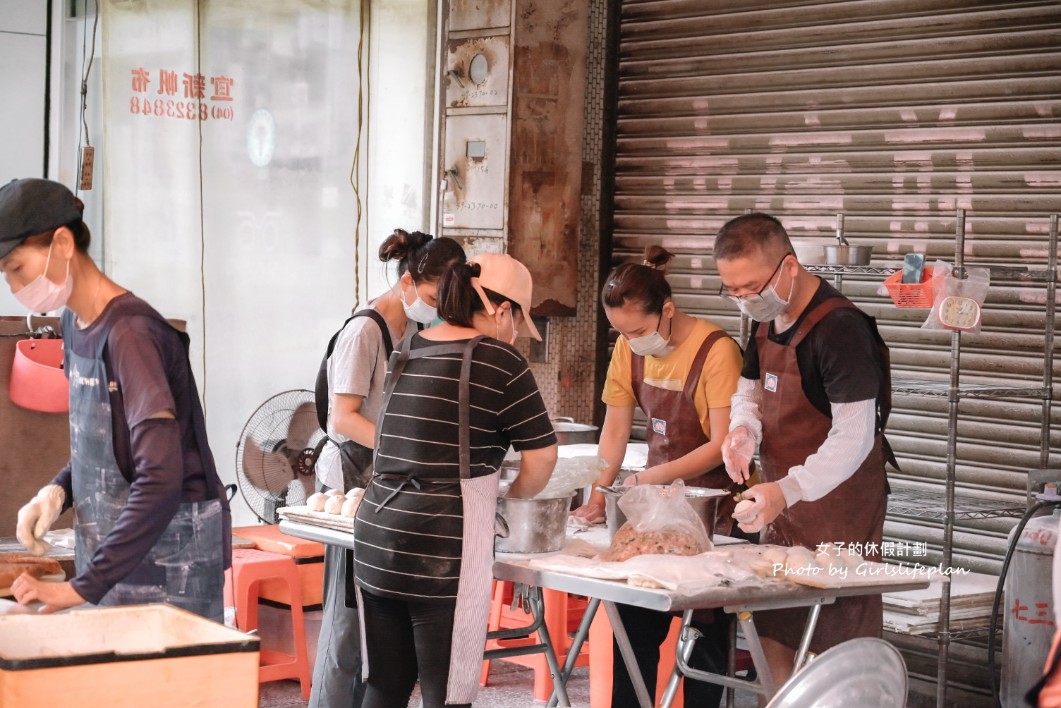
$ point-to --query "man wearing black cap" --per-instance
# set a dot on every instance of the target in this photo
(151, 519)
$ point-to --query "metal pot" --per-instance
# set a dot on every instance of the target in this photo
(531, 525)
(836, 254)
(568, 432)
(704, 502)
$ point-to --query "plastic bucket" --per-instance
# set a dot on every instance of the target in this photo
(38, 382)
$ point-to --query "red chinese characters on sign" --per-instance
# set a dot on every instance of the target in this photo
(193, 87)
(167, 83)
(141, 80)
(1036, 613)
(222, 88)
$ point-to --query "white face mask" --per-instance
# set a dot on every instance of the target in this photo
(419, 311)
(42, 295)
(767, 305)
(651, 344)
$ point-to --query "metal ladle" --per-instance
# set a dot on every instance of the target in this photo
(840, 231)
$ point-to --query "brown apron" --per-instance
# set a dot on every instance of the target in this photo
(669, 434)
(793, 429)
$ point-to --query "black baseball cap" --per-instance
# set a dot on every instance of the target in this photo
(34, 206)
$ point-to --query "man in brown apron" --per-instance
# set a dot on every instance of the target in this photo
(815, 393)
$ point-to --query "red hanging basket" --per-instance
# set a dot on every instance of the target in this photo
(38, 382)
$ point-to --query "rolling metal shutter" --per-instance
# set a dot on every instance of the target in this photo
(894, 113)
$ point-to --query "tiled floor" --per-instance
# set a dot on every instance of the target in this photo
(510, 687)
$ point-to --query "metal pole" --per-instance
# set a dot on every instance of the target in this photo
(952, 452)
(1048, 351)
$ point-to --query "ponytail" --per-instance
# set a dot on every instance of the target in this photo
(421, 255)
(643, 283)
(458, 300)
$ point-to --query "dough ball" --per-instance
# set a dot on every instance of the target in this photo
(350, 507)
(743, 511)
(316, 501)
(334, 492)
(775, 555)
(355, 493)
(830, 564)
(799, 557)
(334, 504)
(643, 583)
(852, 559)
(763, 569)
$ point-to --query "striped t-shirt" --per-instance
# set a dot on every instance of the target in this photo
(411, 547)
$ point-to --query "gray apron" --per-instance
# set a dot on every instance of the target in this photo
(185, 567)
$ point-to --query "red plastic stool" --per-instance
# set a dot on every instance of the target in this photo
(250, 568)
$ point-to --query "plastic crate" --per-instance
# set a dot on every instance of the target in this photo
(921, 294)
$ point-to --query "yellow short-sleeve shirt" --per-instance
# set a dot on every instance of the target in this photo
(718, 381)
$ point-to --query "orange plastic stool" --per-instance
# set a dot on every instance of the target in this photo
(600, 662)
(309, 559)
(251, 568)
(563, 613)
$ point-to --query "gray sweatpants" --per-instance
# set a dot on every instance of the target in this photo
(337, 673)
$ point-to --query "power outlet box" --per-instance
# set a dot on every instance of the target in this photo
(88, 154)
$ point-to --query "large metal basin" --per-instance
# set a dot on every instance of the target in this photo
(568, 432)
(532, 525)
(703, 501)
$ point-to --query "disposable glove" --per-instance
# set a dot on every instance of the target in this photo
(36, 517)
(737, 451)
(762, 504)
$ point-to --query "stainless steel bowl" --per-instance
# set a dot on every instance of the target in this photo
(836, 254)
(532, 525)
(568, 432)
(704, 502)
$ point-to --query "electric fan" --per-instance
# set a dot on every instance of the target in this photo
(274, 457)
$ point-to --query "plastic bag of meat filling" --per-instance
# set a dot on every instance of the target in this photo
(659, 521)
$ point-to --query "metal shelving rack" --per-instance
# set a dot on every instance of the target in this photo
(961, 507)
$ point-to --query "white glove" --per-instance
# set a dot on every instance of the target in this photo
(737, 451)
(36, 517)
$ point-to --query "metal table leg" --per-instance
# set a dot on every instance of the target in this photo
(764, 678)
(731, 663)
(627, 651)
(534, 601)
(686, 638)
(576, 646)
(808, 632)
(559, 681)
(691, 634)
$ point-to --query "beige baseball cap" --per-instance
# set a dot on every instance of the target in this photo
(504, 275)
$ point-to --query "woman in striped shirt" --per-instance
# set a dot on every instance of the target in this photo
(457, 396)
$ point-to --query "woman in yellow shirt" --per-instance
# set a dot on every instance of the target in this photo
(682, 372)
